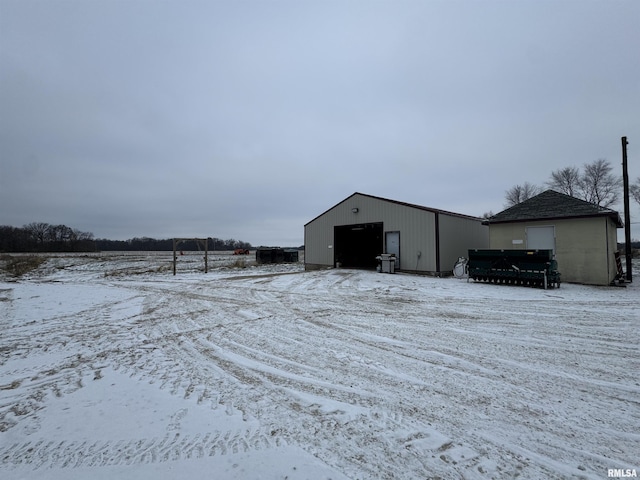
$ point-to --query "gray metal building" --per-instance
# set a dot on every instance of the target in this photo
(425, 240)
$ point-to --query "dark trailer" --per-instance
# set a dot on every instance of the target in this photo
(276, 255)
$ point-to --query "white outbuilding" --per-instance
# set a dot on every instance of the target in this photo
(352, 233)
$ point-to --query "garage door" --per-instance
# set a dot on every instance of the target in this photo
(541, 238)
(356, 246)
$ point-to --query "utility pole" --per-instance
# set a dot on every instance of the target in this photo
(627, 216)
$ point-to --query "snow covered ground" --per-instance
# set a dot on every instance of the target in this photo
(111, 367)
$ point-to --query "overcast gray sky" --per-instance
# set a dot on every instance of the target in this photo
(246, 119)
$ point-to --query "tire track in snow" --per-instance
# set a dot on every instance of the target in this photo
(171, 447)
(255, 390)
(261, 372)
(63, 354)
(529, 402)
(251, 351)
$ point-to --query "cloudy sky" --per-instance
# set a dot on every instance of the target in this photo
(246, 119)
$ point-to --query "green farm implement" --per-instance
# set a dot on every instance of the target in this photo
(534, 268)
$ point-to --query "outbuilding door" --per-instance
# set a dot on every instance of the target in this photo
(392, 241)
(541, 238)
(356, 246)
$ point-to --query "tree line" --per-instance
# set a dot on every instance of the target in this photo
(155, 245)
(594, 183)
(43, 237)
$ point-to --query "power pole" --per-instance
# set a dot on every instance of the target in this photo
(627, 216)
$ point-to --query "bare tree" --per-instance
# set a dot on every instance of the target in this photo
(634, 190)
(59, 233)
(598, 185)
(520, 193)
(38, 231)
(566, 180)
(595, 184)
(82, 236)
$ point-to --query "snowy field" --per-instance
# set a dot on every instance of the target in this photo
(111, 367)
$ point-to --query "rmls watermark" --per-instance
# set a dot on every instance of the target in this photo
(622, 473)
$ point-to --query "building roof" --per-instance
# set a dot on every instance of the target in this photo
(410, 205)
(553, 205)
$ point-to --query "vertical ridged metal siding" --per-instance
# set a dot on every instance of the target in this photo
(457, 236)
(417, 229)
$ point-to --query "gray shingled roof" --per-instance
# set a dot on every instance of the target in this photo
(553, 205)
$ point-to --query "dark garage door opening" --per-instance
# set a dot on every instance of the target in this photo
(356, 246)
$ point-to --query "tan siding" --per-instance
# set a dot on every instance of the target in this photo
(417, 234)
(612, 240)
(457, 236)
(318, 241)
(585, 247)
(580, 245)
(416, 227)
